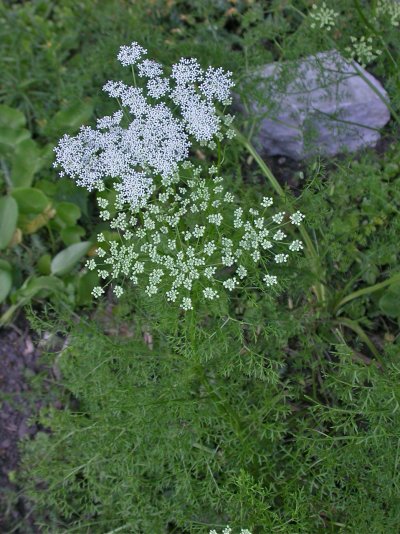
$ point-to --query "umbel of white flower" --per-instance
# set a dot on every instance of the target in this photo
(192, 239)
(146, 141)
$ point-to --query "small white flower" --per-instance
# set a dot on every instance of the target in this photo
(149, 68)
(209, 272)
(215, 218)
(229, 284)
(270, 280)
(129, 55)
(279, 235)
(91, 264)
(210, 293)
(363, 50)
(102, 202)
(296, 218)
(198, 231)
(278, 217)
(209, 248)
(241, 272)
(267, 202)
(118, 291)
(390, 8)
(281, 258)
(259, 223)
(186, 304)
(105, 215)
(97, 291)
(296, 245)
(323, 17)
(172, 295)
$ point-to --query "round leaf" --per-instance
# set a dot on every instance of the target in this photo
(85, 285)
(44, 264)
(30, 200)
(65, 260)
(72, 234)
(25, 163)
(10, 138)
(8, 219)
(11, 117)
(68, 213)
(389, 303)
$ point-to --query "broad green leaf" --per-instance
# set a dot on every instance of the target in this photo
(25, 163)
(44, 264)
(68, 191)
(37, 285)
(11, 117)
(68, 213)
(30, 200)
(10, 138)
(389, 303)
(72, 234)
(65, 260)
(41, 287)
(8, 219)
(70, 118)
(5, 279)
(85, 285)
(31, 223)
(48, 187)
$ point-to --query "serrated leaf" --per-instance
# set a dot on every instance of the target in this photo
(8, 219)
(66, 260)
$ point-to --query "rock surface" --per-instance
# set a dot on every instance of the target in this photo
(320, 105)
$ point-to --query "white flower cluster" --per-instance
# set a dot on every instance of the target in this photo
(228, 530)
(323, 17)
(146, 140)
(391, 9)
(178, 245)
(363, 50)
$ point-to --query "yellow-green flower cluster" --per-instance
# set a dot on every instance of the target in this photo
(390, 9)
(363, 50)
(323, 17)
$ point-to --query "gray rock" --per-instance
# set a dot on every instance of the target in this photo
(318, 105)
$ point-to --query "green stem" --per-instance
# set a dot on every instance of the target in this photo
(221, 404)
(367, 291)
(319, 288)
(353, 325)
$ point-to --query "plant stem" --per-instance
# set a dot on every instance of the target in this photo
(319, 288)
(367, 290)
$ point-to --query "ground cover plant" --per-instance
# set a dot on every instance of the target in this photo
(236, 367)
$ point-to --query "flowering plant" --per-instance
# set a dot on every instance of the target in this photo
(172, 223)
